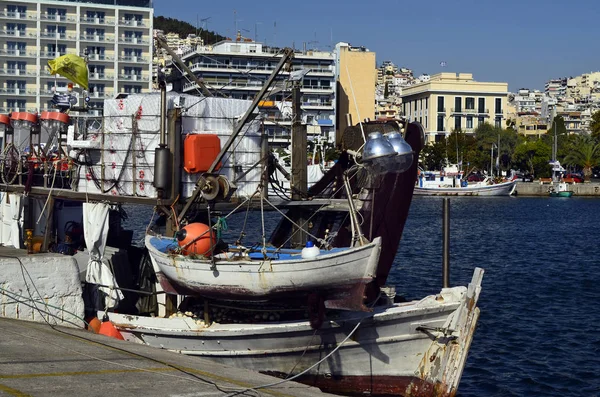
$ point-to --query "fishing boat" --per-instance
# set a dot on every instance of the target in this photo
(414, 348)
(331, 321)
(450, 182)
(246, 274)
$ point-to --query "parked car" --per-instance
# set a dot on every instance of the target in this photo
(576, 177)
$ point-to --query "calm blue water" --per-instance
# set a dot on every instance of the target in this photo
(538, 333)
(539, 330)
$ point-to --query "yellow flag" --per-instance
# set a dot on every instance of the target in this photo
(72, 67)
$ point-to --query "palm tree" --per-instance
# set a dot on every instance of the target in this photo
(585, 154)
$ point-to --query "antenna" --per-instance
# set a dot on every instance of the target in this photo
(205, 24)
(256, 30)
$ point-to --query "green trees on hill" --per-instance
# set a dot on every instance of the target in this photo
(172, 25)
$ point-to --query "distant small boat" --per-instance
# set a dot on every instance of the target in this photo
(450, 182)
(562, 190)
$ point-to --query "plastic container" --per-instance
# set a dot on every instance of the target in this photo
(310, 251)
(199, 152)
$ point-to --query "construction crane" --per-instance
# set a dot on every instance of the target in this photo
(162, 43)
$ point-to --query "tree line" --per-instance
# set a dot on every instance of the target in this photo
(531, 154)
(183, 29)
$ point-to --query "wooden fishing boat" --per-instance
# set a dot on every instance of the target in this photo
(415, 348)
(248, 275)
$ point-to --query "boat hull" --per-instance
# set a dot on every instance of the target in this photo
(246, 279)
(500, 189)
(410, 349)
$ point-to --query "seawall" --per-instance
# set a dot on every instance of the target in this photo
(31, 286)
(535, 188)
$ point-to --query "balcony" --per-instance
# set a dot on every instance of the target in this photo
(133, 59)
(17, 109)
(17, 72)
(101, 57)
(133, 40)
(97, 21)
(54, 17)
(483, 111)
(57, 36)
(132, 77)
(100, 94)
(17, 15)
(323, 104)
(17, 91)
(100, 76)
(97, 38)
(19, 53)
(13, 33)
(132, 23)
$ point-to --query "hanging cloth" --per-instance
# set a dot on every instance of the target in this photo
(95, 231)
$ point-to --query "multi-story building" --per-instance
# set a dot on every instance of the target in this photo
(356, 80)
(448, 102)
(238, 69)
(117, 39)
(390, 82)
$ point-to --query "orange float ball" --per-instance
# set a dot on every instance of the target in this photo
(198, 236)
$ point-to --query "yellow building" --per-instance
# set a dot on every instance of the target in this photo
(356, 80)
(531, 124)
(116, 37)
(450, 101)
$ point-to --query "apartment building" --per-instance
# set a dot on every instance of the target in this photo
(356, 79)
(116, 35)
(447, 101)
(239, 68)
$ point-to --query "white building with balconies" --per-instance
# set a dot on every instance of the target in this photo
(239, 69)
(116, 37)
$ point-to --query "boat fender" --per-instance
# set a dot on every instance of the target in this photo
(310, 251)
(108, 329)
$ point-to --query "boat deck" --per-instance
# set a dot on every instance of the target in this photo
(39, 360)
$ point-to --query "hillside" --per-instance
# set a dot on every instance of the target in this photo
(172, 25)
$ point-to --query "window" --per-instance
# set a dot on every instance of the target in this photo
(470, 103)
(14, 46)
(469, 122)
(325, 83)
(440, 123)
(457, 104)
(426, 103)
(441, 105)
(498, 105)
(480, 120)
(457, 125)
(481, 105)
(498, 122)
(133, 89)
(97, 88)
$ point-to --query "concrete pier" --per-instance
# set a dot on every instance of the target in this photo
(535, 188)
(39, 360)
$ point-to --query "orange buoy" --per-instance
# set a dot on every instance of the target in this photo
(196, 238)
(108, 329)
(93, 324)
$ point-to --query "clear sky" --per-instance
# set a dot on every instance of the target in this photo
(524, 43)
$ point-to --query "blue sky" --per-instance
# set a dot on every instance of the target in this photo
(524, 43)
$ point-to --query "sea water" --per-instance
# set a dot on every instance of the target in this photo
(539, 329)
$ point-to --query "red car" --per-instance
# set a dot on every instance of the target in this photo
(576, 178)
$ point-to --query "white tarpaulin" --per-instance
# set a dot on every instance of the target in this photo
(95, 230)
(11, 209)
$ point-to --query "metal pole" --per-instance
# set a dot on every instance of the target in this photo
(446, 243)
